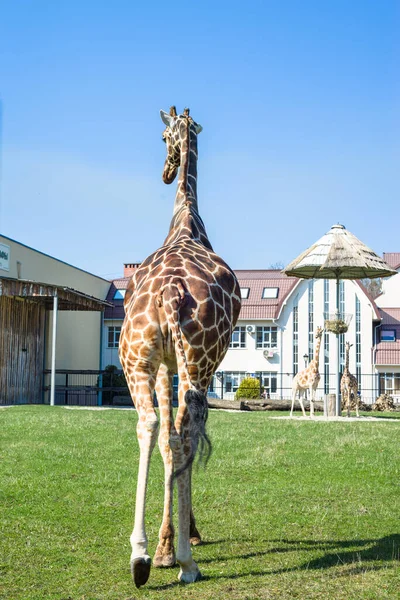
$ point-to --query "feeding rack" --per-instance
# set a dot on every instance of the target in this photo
(337, 323)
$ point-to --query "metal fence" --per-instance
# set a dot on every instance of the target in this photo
(97, 388)
(278, 385)
(87, 388)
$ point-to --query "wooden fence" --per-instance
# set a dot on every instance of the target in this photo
(21, 350)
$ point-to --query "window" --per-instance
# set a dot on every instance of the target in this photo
(238, 337)
(358, 341)
(244, 293)
(113, 337)
(232, 380)
(296, 335)
(119, 295)
(388, 335)
(342, 350)
(270, 292)
(389, 383)
(268, 380)
(266, 337)
(326, 337)
(311, 320)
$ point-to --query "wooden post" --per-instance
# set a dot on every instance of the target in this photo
(331, 405)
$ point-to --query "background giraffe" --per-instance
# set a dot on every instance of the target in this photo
(181, 307)
(349, 385)
(308, 379)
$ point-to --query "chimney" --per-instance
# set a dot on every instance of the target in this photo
(130, 268)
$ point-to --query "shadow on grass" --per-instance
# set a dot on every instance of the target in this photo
(336, 553)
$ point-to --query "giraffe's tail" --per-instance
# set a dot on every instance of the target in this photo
(197, 404)
(172, 297)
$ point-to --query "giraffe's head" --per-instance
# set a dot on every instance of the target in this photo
(348, 346)
(319, 333)
(176, 126)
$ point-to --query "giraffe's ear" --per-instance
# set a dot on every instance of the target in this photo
(199, 128)
(166, 118)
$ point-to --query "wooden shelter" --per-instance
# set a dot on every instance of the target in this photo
(23, 308)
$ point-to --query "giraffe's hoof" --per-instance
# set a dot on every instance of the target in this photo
(165, 561)
(195, 540)
(140, 569)
(189, 577)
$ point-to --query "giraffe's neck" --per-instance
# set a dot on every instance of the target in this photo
(346, 366)
(317, 349)
(186, 193)
(186, 221)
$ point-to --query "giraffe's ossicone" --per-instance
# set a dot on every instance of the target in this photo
(181, 306)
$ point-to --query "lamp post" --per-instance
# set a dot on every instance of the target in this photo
(305, 356)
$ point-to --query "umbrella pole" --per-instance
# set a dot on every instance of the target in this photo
(338, 407)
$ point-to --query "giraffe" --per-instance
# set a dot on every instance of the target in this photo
(349, 385)
(308, 379)
(181, 306)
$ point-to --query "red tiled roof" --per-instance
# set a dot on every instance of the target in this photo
(388, 353)
(117, 311)
(257, 307)
(392, 259)
(390, 316)
(254, 307)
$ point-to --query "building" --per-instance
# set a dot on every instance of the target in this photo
(43, 299)
(275, 334)
(386, 355)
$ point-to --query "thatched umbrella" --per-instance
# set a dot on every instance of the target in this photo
(338, 255)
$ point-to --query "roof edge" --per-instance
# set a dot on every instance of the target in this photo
(53, 257)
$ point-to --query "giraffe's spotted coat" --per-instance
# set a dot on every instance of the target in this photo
(349, 385)
(181, 306)
(308, 379)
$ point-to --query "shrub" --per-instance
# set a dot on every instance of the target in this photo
(249, 388)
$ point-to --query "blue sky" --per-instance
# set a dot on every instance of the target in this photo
(299, 103)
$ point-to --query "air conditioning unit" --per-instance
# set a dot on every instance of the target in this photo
(251, 329)
(270, 353)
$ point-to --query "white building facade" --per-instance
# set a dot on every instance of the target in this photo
(274, 349)
(275, 334)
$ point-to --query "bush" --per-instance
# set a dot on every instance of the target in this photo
(249, 388)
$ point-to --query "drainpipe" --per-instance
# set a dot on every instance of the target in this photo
(53, 351)
(281, 355)
(375, 388)
(100, 393)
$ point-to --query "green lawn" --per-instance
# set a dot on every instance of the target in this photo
(287, 509)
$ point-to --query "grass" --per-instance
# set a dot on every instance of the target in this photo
(288, 509)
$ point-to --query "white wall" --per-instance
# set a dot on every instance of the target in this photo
(110, 355)
(390, 297)
(251, 359)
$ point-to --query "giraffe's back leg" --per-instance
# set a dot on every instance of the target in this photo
(141, 382)
(189, 571)
(165, 553)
